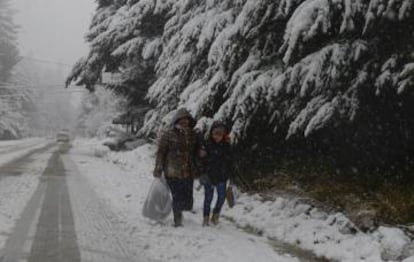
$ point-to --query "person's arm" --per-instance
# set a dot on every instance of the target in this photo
(161, 154)
(231, 162)
(203, 163)
(198, 154)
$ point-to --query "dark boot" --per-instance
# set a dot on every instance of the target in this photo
(215, 219)
(206, 221)
(178, 219)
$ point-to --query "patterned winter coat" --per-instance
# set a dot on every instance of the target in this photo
(177, 150)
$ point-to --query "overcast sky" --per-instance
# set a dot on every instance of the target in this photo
(54, 29)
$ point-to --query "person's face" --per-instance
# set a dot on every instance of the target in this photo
(218, 135)
(184, 122)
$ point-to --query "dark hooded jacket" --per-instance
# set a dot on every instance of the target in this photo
(177, 150)
(218, 163)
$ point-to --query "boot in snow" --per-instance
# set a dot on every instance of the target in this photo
(206, 221)
(215, 219)
(178, 219)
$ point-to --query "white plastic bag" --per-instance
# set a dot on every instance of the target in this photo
(158, 204)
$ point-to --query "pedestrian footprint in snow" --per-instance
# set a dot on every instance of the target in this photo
(216, 165)
(176, 160)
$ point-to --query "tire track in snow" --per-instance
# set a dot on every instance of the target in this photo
(101, 236)
(55, 238)
(22, 178)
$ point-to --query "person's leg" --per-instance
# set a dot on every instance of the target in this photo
(188, 199)
(172, 183)
(175, 187)
(221, 198)
(208, 198)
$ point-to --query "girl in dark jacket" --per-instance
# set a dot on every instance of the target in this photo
(217, 168)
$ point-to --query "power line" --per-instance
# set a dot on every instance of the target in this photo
(46, 61)
(16, 83)
(40, 88)
(20, 87)
(46, 94)
(5, 85)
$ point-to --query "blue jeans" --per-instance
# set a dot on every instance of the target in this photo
(208, 197)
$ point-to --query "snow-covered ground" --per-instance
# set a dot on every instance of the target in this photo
(123, 180)
(27, 141)
(11, 150)
(17, 190)
(107, 191)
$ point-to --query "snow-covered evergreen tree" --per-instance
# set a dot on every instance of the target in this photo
(125, 40)
(334, 74)
(8, 44)
(16, 105)
(12, 100)
(96, 112)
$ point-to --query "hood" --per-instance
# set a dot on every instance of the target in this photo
(218, 124)
(183, 113)
(227, 139)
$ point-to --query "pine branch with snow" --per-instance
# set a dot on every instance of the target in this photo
(294, 69)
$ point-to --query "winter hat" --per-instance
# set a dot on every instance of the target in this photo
(183, 113)
(218, 124)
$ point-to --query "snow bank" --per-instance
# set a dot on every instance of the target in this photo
(12, 150)
(290, 221)
(26, 141)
